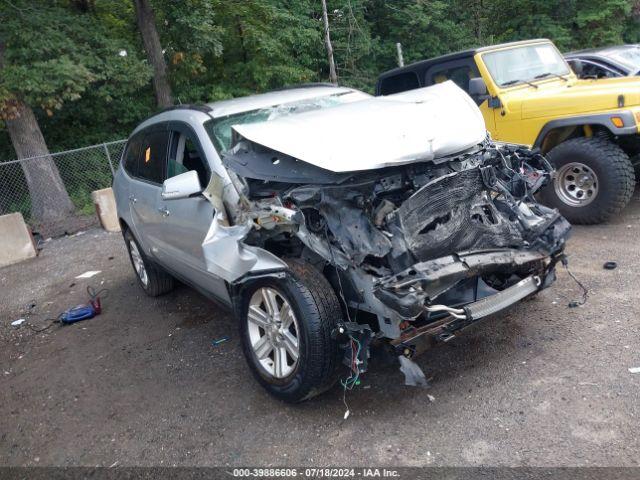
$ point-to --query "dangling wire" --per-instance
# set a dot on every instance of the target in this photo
(354, 376)
(585, 292)
(333, 260)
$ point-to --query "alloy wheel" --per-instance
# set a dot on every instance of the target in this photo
(138, 263)
(273, 332)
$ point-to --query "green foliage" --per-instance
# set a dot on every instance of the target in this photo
(55, 52)
(267, 44)
(62, 56)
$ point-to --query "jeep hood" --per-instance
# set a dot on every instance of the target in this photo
(574, 97)
(418, 125)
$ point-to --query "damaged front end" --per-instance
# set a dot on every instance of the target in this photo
(420, 228)
(417, 251)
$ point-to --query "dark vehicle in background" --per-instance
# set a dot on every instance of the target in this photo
(605, 62)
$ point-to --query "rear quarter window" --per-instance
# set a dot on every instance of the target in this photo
(399, 83)
(130, 157)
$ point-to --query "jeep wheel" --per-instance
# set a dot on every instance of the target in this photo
(594, 180)
(285, 327)
(153, 280)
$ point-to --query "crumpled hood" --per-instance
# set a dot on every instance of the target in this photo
(417, 125)
(582, 96)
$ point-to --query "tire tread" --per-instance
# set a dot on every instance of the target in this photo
(618, 166)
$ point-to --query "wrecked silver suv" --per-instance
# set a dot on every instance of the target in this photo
(333, 222)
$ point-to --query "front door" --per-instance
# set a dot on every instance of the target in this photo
(185, 222)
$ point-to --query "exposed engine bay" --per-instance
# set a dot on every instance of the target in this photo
(408, 247)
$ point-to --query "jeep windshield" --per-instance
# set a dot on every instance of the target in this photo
(219, 129)
(525, 64)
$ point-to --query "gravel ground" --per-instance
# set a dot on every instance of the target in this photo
(142, 384)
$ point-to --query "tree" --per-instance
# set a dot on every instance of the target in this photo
(49, 198)
(44, 75)
(146, 20)
(351, 41)
(265, 44)
(333, 76)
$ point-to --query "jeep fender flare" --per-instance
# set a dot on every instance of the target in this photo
(601, 119)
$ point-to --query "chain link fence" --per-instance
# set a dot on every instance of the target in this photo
(53, 192)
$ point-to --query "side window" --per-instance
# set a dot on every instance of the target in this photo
(130, 157)
(591, 70)
(184, 156)
(459, 74)
(152, 156)
(399, 83)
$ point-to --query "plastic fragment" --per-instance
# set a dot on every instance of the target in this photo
(17, 323)
(413, 374)
(220, 340)
(89, 274)
(634, 369)
(610, 265)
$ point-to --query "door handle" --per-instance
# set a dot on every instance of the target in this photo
(132, 199)
(165, 212)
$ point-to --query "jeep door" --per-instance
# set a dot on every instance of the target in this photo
(186, 221)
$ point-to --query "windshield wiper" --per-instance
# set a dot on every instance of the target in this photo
(550, 74)
(513, 82)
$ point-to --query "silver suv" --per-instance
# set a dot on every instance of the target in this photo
(334, 223)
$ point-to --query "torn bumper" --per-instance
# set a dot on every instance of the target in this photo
(409, 291)
(417, 340)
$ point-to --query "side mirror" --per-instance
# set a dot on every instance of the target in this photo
(181, 186)
(477, 87)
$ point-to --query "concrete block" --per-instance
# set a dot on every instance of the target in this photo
(16, 242)
(105, 204)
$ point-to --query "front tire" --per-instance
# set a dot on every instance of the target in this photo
(286, 329)
(594, 180)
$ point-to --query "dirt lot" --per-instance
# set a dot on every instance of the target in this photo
(142, 384)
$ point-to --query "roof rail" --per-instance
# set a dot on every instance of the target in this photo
(186, 106)
(305, 85)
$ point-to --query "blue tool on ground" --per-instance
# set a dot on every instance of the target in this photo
(83, 312)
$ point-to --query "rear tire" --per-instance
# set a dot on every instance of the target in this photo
(316, 313)
(635, 161)
(152, 278)
(594, 180)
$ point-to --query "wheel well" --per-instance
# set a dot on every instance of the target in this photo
(556, 136)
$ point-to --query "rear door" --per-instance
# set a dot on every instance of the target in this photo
(146, 187)
(186, 221)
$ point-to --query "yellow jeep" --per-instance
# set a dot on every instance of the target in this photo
(588, 129)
